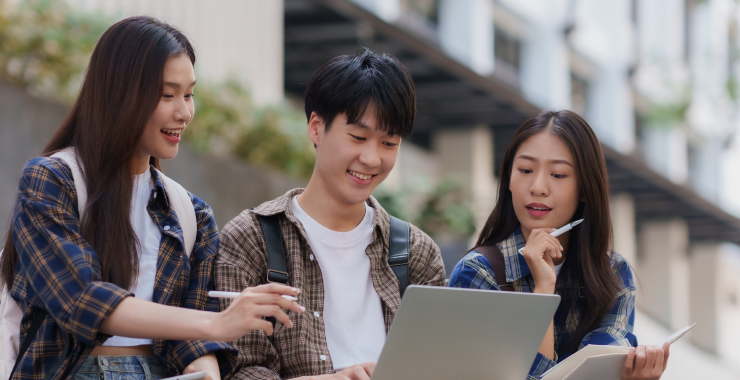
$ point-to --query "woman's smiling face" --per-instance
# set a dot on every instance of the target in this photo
(544, 187)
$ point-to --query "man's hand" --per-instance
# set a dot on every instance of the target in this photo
(206, 363)
(646, 362)
(245, 312)
(356, 372)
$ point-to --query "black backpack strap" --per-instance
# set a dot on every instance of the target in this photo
(398, 255)
(496, 258)
(276, 269)
(38, 319)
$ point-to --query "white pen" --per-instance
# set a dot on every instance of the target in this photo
(561, 230)
(218, 294)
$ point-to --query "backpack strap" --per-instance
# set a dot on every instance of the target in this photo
(38, 320)
(277, 271)
(496, 258)
(398, 252)
(69, 156)
(183, 205)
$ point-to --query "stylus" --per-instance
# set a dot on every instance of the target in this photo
(561, 230)
(218, 294)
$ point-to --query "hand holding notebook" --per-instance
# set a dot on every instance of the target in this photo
(598, 362)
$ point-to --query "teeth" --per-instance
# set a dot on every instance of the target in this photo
(172, 132)
(539, 208)
(359, 175)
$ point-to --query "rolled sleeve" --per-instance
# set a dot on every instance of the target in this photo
(541, 365)
(473, 272)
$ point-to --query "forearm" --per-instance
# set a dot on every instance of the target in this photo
(136, 318)
(547, 347)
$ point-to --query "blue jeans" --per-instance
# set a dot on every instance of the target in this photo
(120, 368)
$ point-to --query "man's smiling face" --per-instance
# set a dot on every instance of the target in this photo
(352, 159)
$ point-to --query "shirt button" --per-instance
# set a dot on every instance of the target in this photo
(310, 257)
(316, 314)
(105, 362)
(323, 357)
(166, 228)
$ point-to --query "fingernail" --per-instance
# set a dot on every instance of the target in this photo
(296, 290)
(632, 350)
(302, 308)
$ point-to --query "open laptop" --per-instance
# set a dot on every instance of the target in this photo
(451, 333)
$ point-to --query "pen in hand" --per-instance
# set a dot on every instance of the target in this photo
(219, 294)
(560, 230)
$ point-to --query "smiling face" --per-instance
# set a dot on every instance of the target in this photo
(173, 113)
(543, 186)
(352, 159)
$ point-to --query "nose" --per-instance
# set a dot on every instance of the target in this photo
(369, 156)
(539, 185)
(184, 112)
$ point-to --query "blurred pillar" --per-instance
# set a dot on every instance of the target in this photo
(466, 32)
(466, 157)
(704, 295)
(664, 271)
(622, 207)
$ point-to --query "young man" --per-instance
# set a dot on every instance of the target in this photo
(335, 234)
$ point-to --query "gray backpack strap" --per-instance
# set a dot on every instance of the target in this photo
(183, 206)
(398, 252)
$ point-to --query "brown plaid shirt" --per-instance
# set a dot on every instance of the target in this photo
(242, 262)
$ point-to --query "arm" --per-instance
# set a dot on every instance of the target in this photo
(425, 260)
(62, 272)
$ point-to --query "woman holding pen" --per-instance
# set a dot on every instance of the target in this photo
(554, 175)
(115, 288)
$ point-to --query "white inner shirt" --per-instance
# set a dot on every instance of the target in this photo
(557, 268)
(353, 316)
(149, 237)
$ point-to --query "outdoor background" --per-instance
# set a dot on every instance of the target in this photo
(658, 80)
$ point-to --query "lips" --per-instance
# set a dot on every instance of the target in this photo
(172, 135)
(361, 176)
(538, 209)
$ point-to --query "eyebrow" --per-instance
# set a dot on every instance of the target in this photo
(177, 85)
(361, 125)
(530, 158)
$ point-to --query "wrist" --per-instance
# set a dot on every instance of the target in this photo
(208, 326)
(543, 288)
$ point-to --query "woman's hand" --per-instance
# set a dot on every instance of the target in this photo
(245, 312)
(207, 363)
(539, 251)
(646, 362)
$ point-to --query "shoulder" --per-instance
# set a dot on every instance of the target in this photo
(473, 271)
(420, 242)
(46, 177)
(622, 270)
(241, 242)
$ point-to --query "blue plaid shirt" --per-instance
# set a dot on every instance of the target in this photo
(474, 271)
(59, 272)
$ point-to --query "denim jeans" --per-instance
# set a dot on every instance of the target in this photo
(120, 368)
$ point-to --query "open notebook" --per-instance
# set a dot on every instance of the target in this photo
(598, 362)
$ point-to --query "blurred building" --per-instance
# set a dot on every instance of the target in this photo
(656, 79)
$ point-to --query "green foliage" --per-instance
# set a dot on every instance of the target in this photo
(443, 210)
(45, 47)
(273, 136)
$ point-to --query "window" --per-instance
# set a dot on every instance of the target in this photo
(425, 9)
(506, 48)
(578, 94)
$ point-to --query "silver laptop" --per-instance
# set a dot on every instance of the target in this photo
(469, 334)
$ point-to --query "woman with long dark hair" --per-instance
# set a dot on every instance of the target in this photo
(120, 288)
(554, 173)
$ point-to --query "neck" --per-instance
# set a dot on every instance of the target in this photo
(140, 163)
(564, 239)
(329, 211)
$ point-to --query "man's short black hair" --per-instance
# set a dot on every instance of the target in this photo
(349, 83)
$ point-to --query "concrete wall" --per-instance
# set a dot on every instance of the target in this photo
(227, 184)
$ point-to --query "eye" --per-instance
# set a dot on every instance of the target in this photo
(168, 96)
(559, 176)
(358, 138)
(190, 96)
(389, 144)
(525, 171)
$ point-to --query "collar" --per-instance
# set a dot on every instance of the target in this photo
(282, 204)
(515, 265)
(158, 193)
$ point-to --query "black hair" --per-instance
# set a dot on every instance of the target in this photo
(350, 83)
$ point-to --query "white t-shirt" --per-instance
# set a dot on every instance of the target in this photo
(557, 268)
(149, 238)
(353, 316)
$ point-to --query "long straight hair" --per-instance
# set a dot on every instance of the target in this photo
(121, 90)
(587, 273)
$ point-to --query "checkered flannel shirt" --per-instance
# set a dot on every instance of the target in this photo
(59, 272)
(474, 271)
(302, 350)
